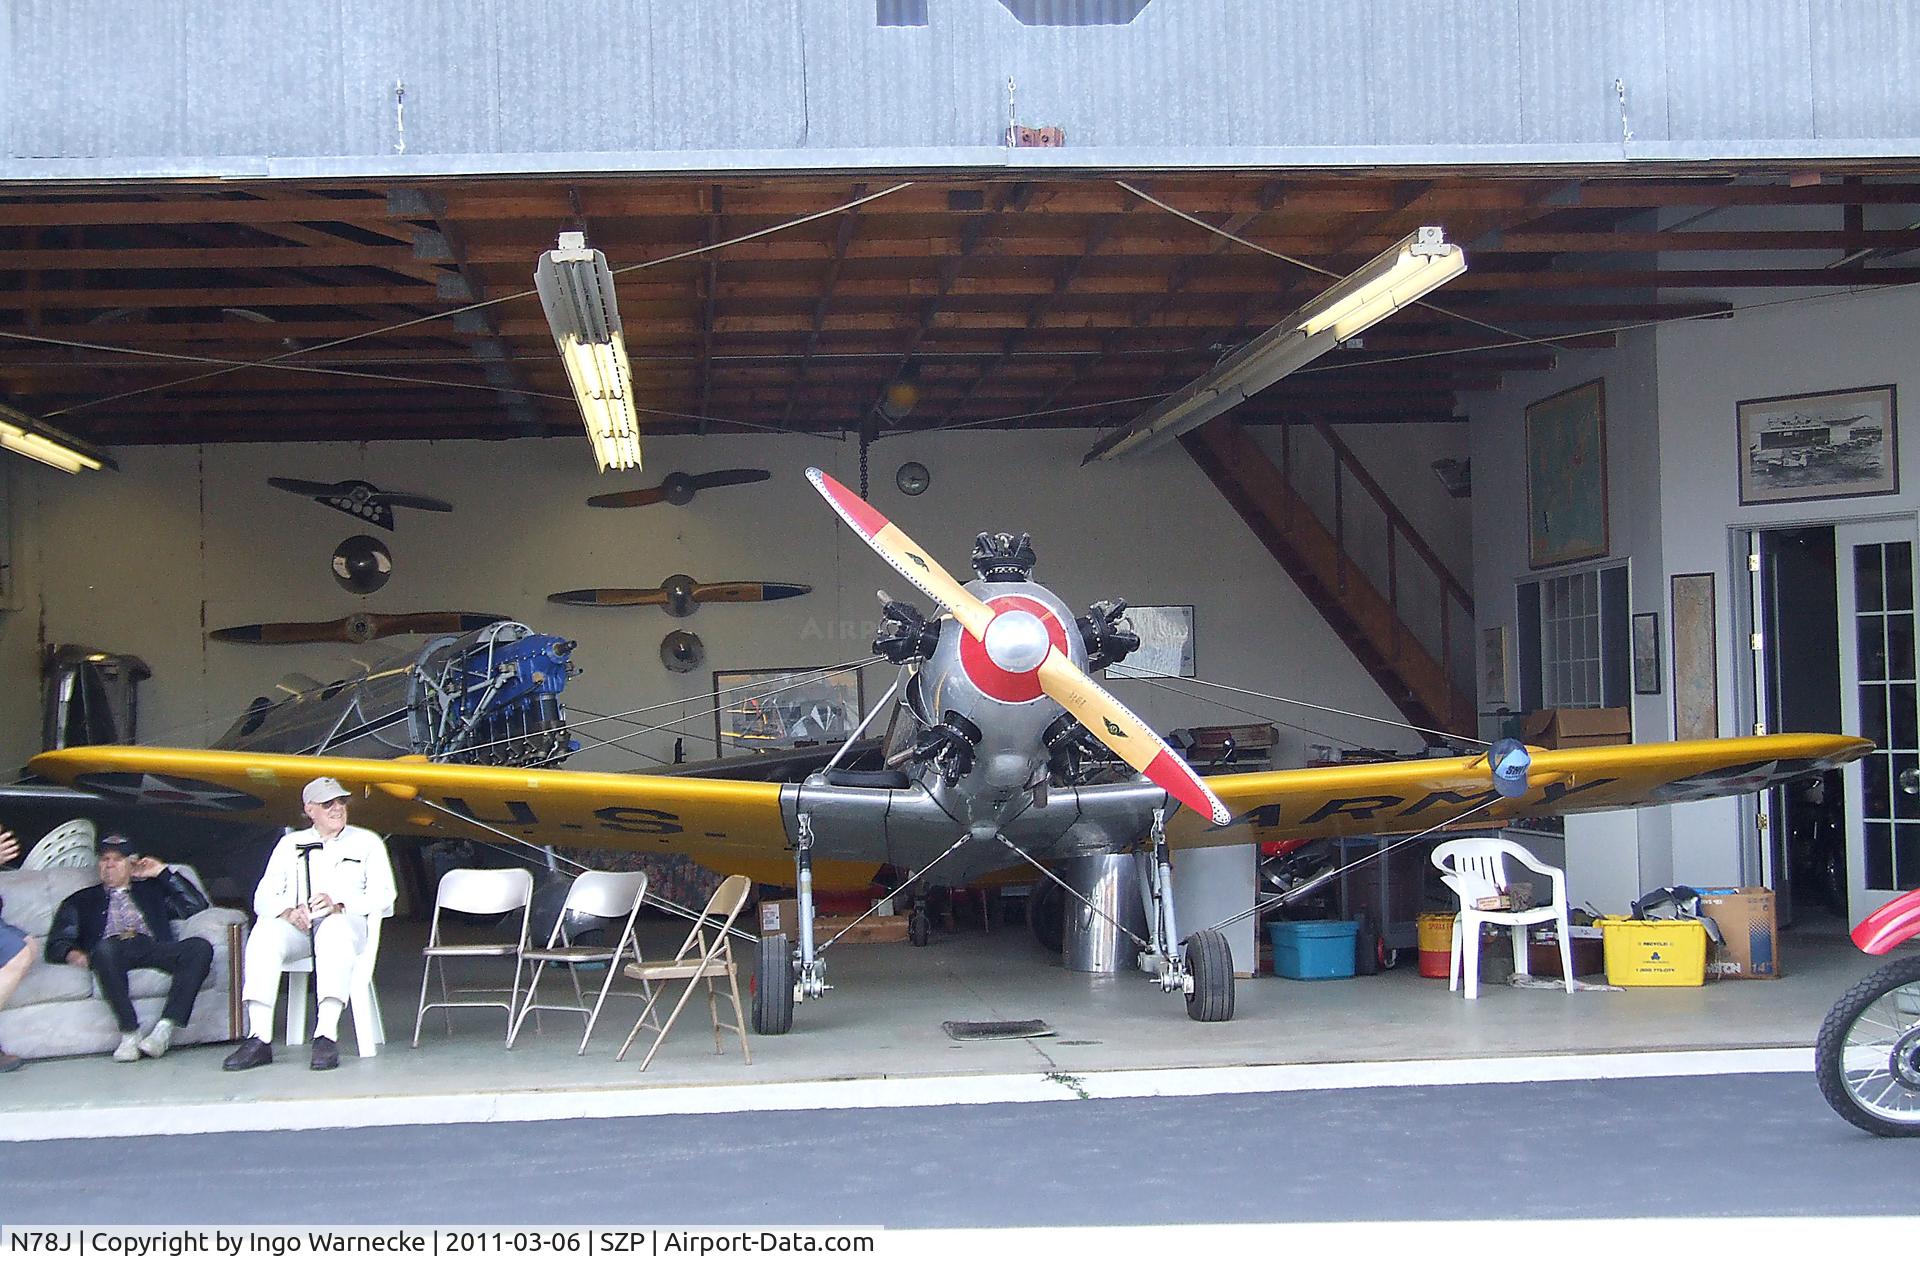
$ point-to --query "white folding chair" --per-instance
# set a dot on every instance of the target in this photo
(1476, 868)
(706, 955)
(363, 1004)
(476, 891)
(606, 895)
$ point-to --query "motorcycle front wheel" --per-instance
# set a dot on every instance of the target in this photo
(1867, 1057)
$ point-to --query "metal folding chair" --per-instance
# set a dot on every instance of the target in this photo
(606, 895)
(706, 955)
(476, 891)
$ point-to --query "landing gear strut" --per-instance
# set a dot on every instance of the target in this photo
(1204, 971)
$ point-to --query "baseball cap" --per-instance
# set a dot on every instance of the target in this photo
(323, 789)
(117, 843)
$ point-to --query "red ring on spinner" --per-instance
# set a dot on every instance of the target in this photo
(1005, 685)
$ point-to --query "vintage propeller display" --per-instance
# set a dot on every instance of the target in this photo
(360, 499)
(680, 595)
(356, 628)
(1019, 645)
(679, 488)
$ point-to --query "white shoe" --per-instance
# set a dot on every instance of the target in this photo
(155, 1044)
(129, 1049)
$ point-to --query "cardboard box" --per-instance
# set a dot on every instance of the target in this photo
(1749, 946)
(1577, 728)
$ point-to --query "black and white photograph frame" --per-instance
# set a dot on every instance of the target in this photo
(1834, 444)
(1166, 643)
(1646, 654)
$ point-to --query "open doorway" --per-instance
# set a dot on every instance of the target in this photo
(1799, 667)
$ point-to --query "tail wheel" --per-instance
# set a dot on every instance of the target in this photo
(1210, 964)
(773, 986)
(1867, 1057)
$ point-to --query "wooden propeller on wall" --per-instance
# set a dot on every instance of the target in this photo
(678, 488)
(356, 628)
(680, 595)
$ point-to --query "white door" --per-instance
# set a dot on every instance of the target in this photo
(1876, 570)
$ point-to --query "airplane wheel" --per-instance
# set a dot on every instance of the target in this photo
(919, 928)
(1210, 964)
(773, 986)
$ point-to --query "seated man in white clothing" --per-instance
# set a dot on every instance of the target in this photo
(322, 885)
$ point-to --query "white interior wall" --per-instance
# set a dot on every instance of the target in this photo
(186, 539)
(1673, 501)
(1611, 857)
(1706, 368)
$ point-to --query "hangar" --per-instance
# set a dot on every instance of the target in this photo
(1638, 467)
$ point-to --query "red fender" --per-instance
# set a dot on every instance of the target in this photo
(1890, 925)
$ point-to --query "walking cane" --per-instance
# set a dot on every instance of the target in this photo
(313, 952)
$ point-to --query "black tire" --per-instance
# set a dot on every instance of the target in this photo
(773, 986)
(1047, 916)
(1210, 964)
(1895, 1112)
(919, 928)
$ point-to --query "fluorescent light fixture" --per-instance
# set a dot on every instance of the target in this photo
(40, 441)
(1403, 274)
(576, 291)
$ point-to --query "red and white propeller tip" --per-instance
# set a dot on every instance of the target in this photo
(1018, 643)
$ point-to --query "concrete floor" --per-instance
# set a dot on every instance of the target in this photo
(883, 1022)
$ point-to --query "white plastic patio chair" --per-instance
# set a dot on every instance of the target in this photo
(1476, 868)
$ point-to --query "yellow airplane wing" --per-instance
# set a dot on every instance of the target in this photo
(725, 825)
(1400, 797)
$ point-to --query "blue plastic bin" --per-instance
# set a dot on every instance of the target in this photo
(1313, 950)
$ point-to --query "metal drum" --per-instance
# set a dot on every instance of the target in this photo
(1111, 883)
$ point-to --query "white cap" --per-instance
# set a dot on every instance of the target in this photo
(323, 789)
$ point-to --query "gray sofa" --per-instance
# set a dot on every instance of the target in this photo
(58, 1010)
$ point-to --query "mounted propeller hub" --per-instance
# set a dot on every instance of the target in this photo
(1017, 641)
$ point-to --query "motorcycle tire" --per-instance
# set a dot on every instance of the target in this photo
(1880, 1093)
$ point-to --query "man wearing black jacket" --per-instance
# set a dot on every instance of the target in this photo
(126, 922)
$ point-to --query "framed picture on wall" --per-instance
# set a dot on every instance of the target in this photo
(766, 710)
(1696, 663)
(1839, 444)
(1567, 476)
(1646, 654)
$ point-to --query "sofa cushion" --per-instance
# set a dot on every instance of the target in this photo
(32, 897)
(50, 983)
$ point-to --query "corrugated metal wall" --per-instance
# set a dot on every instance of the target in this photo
(92, 88)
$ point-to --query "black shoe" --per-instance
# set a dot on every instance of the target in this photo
(326, 1055)
(251, 1053)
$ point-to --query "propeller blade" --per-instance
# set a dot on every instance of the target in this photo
(277, 633)
(1136, 744)
(728, 477)
(298, 487)
(608, 597)
(894, 547)
(400, 499)
(629, 498)
(747, 592)
(356, 628)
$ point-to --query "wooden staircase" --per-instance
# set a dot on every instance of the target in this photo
(1413, 674)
